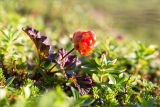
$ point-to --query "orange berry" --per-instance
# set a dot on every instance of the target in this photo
(84, 42)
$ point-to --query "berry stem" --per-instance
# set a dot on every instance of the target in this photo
(61, 59)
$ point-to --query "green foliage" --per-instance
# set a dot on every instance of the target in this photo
(2, 77)
(125, 73)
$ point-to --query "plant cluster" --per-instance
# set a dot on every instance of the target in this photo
(103, 78)
(85, 70)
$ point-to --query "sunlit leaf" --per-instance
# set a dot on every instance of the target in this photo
(95, 78)
(41, 42)
(112, 80)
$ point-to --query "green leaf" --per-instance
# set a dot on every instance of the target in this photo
(96, 61)
(113, 61)
(75, 93)
(27, 91)
(1, 70)
(4, 34)
(87, 102)
(112, 80)
(9, 81)
(95, 78)
(115, 70)
(90, 69)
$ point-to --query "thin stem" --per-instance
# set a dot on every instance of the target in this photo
(61, 59)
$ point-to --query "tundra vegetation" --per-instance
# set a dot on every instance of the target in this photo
(58, 54)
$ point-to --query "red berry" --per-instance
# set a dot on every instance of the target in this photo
(84, 42)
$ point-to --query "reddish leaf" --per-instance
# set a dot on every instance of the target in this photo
(41, 42)
(68, 61)
(82, 83)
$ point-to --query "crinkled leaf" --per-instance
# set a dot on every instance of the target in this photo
(41, 42)
(66, 61)
(82, 83)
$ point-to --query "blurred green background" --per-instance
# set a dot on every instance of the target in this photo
(134, 19)
(131, 20)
